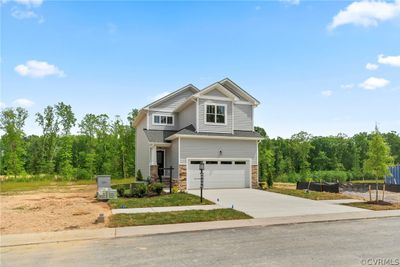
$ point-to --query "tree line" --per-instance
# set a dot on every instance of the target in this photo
(105, 145)
(328, 158)
(102, 145)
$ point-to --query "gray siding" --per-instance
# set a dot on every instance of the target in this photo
(142, 152)
(162, 127)
(172, 157)
(215, 92)
(243, 117)
(233, 91)
(210, 148)
(217, 128)
(187, 116)
(174, 102)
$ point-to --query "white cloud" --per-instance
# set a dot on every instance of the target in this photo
(38, 69)
(23, 102)
(292, 2)
(23, 14)
(2, 105)
(366, 13)
(389, 60)
(371, 66)
(160, 95)
(373, 83)
(347, 86)
(327, 93)
(30, 2)
(258, 8)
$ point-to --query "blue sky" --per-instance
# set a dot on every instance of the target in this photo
(305, 61)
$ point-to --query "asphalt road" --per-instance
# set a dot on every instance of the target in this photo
(345, 243)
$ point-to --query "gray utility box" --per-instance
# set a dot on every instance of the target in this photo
(104, 190)
(103, 181)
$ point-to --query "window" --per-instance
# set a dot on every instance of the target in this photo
(240, 162)
(226, 162)
(211, 162)
(163, 119)
(215, 113)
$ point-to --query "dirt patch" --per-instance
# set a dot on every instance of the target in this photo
(72, 207)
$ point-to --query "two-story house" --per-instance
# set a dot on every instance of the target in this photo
(214, 125)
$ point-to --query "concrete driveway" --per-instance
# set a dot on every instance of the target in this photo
(262, 204)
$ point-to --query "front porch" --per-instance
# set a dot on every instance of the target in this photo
(161, 161)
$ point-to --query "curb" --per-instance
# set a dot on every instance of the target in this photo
(133, 231)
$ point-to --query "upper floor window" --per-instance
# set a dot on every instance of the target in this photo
(163, 119)
(215, 113)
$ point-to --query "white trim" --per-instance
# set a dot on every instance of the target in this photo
(197, 115)
(219, 87)
(252, 117)
(179, 150)
(161, 110)
(161, 144)
(240, 91)
(215, 105)
(217, 159)
(189, 86)
(148, 120)
(172, 137)
(166, 120)
(233, 118)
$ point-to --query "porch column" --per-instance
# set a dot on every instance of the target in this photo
(153, 163)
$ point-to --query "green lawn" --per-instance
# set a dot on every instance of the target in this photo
(178, 199)
(15, 186)
(187, 216)
(374, 206)
(310, 195)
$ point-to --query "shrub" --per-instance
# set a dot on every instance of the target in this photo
(175, 189)
(270, 182)
(139, 176)
(83, 174)
(156, 188)
(121, 188)
(263, 185)
(138, 190)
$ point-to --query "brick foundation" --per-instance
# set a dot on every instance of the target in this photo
(182, 178)
(254, 176)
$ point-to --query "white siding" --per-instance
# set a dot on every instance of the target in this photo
(142, 151)
(210, 148)
(243, 117)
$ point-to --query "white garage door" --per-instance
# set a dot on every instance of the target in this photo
(219, 173)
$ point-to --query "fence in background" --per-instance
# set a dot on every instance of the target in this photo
(395, 178)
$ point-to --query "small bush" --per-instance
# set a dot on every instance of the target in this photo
(138, 190)
(263, 185)
(139, 176)
(156, 188)
(175, 189)
(83, 174)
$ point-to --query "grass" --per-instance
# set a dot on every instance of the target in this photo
(375, 206)
(187, 216)
(168, 200)
(16, 186)
(310, 195)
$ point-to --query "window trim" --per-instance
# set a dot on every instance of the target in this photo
(216, 105)
(166, 119)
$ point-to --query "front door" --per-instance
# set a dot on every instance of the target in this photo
(160, 162)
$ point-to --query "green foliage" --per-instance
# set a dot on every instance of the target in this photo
(156, 188)
(121, 189)
(139, 176)
(378, 157)
(138, 190)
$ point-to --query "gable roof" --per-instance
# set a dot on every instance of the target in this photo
(219, 87)
(243, 93)
(169, 96)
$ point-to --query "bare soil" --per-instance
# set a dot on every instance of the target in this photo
(51, 209)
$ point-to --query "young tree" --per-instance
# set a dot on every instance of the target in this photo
(378, 158)
(12, 122)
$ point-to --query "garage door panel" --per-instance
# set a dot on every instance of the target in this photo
(220, 175)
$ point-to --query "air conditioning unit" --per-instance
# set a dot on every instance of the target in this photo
(112, 194)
